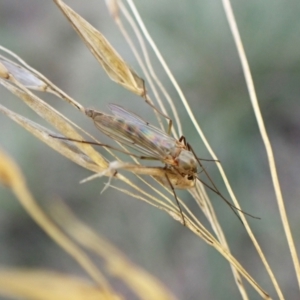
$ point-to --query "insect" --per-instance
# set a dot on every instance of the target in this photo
(181, 163)
(131, 130)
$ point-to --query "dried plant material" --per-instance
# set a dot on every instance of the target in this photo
(251, 89)
(12, 177)
(141, 283)
(24, 76)
(198, 229)
(87, 238)
(56, 119)
(65, 148)
(145, 63)
(115, 67)
(47, 285)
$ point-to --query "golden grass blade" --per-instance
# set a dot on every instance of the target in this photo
(263, 132)
(66, 149)
(140, 282)
(115, 67)
(11, 176)
(3, 71)
(47, 285)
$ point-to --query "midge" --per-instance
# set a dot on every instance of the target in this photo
(129, 129)
(177, 155)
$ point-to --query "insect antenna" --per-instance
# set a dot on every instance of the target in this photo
(215, 189)
(232, 207)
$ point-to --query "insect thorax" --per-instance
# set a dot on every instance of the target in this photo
(186, 162)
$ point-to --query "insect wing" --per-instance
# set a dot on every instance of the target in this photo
(111, 129)
(118, 130)
(143, 134)
(121, 112)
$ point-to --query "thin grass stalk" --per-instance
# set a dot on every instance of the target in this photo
(213, 218)
(254, 101)
(150, 69)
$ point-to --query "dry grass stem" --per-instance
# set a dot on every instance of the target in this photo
(147, 68)
(265, 138)
(140, 282)
(11, 176)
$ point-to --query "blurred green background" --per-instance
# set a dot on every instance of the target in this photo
(194, 38)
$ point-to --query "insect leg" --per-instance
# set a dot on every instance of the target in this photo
(102, 145)
(175, 196)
